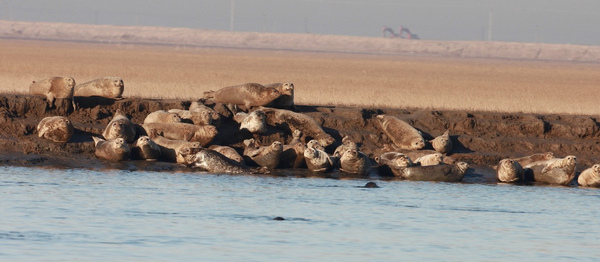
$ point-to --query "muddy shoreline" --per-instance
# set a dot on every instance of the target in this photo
(480, 138)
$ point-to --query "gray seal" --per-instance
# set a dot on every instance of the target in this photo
(214, 162)
(556, 171)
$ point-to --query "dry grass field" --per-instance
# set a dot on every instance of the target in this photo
(319, 78)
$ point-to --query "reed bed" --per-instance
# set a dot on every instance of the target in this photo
(320, 78)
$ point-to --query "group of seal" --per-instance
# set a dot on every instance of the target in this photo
(186, 136)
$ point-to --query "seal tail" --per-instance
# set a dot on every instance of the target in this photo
(208, 95)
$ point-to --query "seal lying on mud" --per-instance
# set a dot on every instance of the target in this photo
(430, 159)
(389, 160)
(510, 171)
(265, 156)
(56, 128)
(556, 171)
(162, 116)
(109, 87)
(184, 131)
(119, 127)
(355, 162)
(286, 100)
(170, 149)
(590, 177)
(197, 107)
(199, 118)
(292, 156)
(214, 162)
(229, 152)
(292, 121)
(402, 134)
(112, 150)
(246, 95)
(442, 143)
(52, 88)
(527, 160)
(441, 173)
(255, 122)
(318, 160)
(145, 149)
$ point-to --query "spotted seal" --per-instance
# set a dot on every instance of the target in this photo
(286, 100)
(119, 127)
(184, 131)
(430, 159)
(145, 149)
(255, 122)
(53, 88)
(196, 117)
(229, 152)
(557, 171)
(389, 160)
(590, 177)
(112, 150)
(56, 128)
(442, 143)
(402, 134)
(109, 87)
(265, 156)
(318, 160)
(214, 162)
(292, 121)
(171, 149)
(440, 173)
(162, 116)
(355, 162)
(510, 171)
(246, 95)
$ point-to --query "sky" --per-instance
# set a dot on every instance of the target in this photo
(546, 21)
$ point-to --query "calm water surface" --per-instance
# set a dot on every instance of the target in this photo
(57, 215)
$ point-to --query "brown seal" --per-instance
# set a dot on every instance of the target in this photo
(292, 156)
(246, 95)
(56, 128)
(402, 134)
(355, 162)
(265, 156)
(442, 143)
(430, 159)
(112, 150)
(318, 160)
(292, 121)
(162, 116)
(199, 118)
(389, 160)
(229, 152)
(590, 177)
(171, 149)
(145, 149)
(199, 107)
(315, 144)
(53, 88)
(109, 87)
(214, 162)
(441, 173)
(255, 122)
(286, 100)
(510, 171)
(119, 127)
(556, 171)
(184, 131)
(527, 160)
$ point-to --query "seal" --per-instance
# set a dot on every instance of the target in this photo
(318, 160)
(265, 156)
(389, 160)
(355, 162)
(56, 128)
(430, 159)
(109, 87)
(286, 100)
(315, 144)
(119, 127)
(199, 107)
(441, 173)
(402, 134)
(289, 120)
(145, 149)
(527, 160)
(255, 122)
(590, 177)
(442, 144)
(346, 144)
(214, 162)
(556, 171)
(246, 95)
(199, 118)
(171, 149)
(112, 150)
(510, 171)
(53, 88)
(162, 116)
(229, 152)
(184, 131)
(292, 156)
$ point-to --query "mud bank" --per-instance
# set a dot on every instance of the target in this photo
(480, 138)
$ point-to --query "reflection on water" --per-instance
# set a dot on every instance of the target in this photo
(98, 215)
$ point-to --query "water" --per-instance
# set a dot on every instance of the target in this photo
(57, 215)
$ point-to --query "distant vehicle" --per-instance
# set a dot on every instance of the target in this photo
(401, 33)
